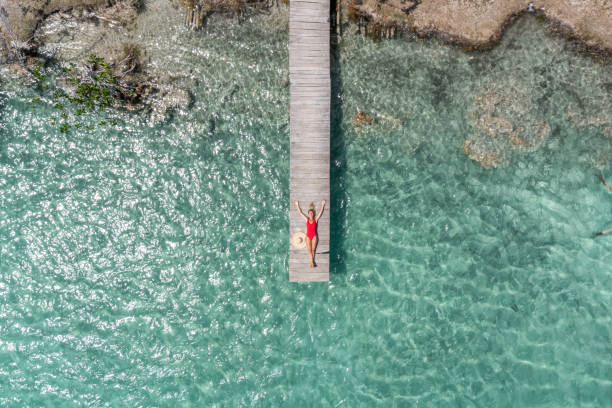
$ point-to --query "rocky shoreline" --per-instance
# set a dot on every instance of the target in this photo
(474, 25)
(477, 24)
(480, 24)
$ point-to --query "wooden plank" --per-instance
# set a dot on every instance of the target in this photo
(309, 7)
(308, 47)
(322, 6)
(305, 200)
(309, 62)
(313, 161)
(301, 270)
(304, 265)
(307, 139)
(309, 185)
(314, 37)
(303, 14)
(308, 277)
(307, 39)
(313, 108)
(301, 260)
(312, 134)
(306, 70)
(310, 82)
(315, 83)
(321, 259)
(299, 122)
(320, 91)
(319, 128)
(310, 149)
(295, 157)
(304, 3)
(311, 53)
(310, 57)
(311, 192)
(311, 141)
(309, 76)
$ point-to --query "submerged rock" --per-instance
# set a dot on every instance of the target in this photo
(475, 152)
(504, 120)
(361, 119)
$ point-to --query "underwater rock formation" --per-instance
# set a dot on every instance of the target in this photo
(504, 121)
(361, 119)
(475, 152)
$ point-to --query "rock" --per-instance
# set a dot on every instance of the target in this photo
(486, 159)
(504, 121)
(361, 119)
(479, 24)
(588, 20)
(176, 98)
(123, 12)
(18, 69)
(21, 17)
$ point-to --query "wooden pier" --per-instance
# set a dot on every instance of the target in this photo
(310, 88)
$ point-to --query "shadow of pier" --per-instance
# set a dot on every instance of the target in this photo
(337, 154)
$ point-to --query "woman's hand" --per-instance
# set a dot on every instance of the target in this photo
(324, 202)
(296, 202)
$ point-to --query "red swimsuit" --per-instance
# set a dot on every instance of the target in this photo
(311, 229)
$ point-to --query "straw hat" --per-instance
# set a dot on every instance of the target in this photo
(298, 240)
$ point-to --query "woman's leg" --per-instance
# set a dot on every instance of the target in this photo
(313, 245)
(309, 248)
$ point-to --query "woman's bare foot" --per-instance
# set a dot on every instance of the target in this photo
(311, 265)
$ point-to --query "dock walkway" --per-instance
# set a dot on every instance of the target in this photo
(310, 88)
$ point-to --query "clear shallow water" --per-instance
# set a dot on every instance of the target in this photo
(145, 265)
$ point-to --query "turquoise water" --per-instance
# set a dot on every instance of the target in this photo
(145, 264)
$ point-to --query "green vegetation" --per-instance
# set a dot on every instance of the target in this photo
(37, 72)
(92, 88)
(540, 17)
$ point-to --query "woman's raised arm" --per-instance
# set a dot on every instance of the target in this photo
(321, 210)
(297, 204)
